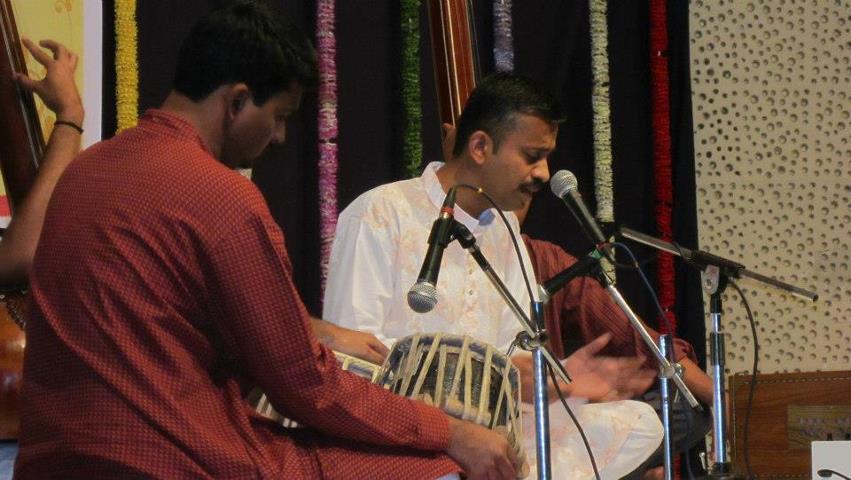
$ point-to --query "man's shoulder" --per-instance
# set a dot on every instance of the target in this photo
(545, 253)
(388, 199)
(539, 245)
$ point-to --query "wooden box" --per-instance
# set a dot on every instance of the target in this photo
(789, 411)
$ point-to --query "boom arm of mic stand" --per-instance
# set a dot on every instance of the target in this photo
(469, 243)
(512, 304)
(667, 369)
(591, 263)
(701, 259)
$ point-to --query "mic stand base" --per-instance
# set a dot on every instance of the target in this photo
(722, 471)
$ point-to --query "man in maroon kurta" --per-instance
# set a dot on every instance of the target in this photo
(162, 290)
(582, 310)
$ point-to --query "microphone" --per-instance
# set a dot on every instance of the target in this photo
(578, 269)
(422, 297)
(564, 186)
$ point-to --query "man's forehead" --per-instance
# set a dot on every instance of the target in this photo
(533, 132)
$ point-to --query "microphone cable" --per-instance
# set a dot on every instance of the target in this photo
(511, 233)
(575, 422)
(661, 312)
(752, 386)
(827, 473)
(496, 207)
(637, 268)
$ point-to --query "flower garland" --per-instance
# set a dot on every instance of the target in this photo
(325, 18)
(126, 66)
(662, 155)
(603, 181)
(602, 114)
(412, 147)
(503, 40)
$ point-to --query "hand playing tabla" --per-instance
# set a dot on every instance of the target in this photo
(351, 342)
(599, 378)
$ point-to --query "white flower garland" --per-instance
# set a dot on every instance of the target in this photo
(603, 181)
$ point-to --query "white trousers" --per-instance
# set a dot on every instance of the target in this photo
(622, 435)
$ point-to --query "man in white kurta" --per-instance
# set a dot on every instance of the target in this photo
(379, 246)
(378, 249)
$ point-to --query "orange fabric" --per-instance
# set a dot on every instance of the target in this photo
(161, 290)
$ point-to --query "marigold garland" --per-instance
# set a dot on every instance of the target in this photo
(126, 65)
(327, 43)
(412, 147)
(503, 40)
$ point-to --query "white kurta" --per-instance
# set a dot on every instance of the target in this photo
(379, 246)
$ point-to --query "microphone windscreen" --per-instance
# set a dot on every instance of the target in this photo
(422, 297)
(563, 181)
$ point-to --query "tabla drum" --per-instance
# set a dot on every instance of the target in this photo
(465, 378)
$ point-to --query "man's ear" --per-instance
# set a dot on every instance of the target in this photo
(479, 145)
(236, 96)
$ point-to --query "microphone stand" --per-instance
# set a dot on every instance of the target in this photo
(668, 371)
(532, 339)
(716, 272)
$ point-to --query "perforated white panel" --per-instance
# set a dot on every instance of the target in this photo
(771, 82)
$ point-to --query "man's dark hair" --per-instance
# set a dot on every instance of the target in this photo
(243, 41)
(495, 103)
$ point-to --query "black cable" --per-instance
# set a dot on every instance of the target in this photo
(531, 298)
(496, 207)
(752, 386)
(659, 309)
(575, 422)
(664, 317)
(827, 473)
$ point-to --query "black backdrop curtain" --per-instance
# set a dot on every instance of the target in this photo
(552, 46)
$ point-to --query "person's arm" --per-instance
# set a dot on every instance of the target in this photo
(261, 320)
(589, 310)
(697, 380)
(59, 93)
(594, 377)
(365, 346)
(482, 453)
(627, 341)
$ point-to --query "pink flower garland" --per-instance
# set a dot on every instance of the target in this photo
(325, 18)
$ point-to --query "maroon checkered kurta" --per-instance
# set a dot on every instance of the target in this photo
(161, 290)
(583, 310)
